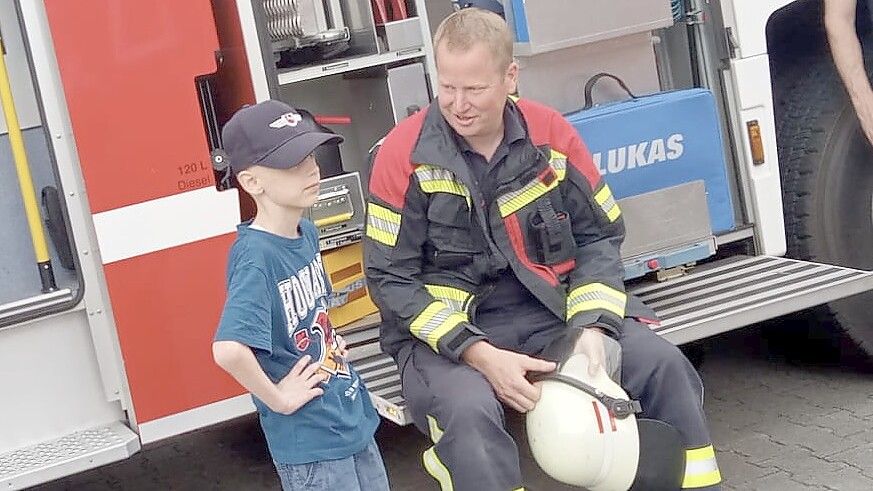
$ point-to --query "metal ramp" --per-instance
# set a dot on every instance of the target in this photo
(67, 455)
(711, 299)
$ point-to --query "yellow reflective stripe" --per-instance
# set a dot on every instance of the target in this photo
(383, 225)
(702, 453)
(701, 480)
(595, 296)
(606, 201)
(434, 322)
(455, 298)
(701, 468)
(559, 163)
(435, 467)
(433, 179)
(443, 186)
(514, 98)
(435, 432)
(509, 203)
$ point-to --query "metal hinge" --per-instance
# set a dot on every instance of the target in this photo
(695, 17)
(674, 272)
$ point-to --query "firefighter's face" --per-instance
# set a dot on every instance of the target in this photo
(296, 187)
(473, 89)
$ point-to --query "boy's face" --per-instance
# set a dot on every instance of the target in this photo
(295, 187)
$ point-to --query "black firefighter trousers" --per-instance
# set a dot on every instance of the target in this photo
(455, 406)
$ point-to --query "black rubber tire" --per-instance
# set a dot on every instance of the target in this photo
(827, 182)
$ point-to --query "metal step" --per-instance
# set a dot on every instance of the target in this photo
(741, 291)
(67, 455)
(711, 299)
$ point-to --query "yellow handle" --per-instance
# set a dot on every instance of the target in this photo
(25, 181)
(342, 217)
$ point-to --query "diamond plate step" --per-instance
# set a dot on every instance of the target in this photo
(714, 298)
(67, 455)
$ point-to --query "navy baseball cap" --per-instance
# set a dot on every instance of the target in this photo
(271, 134)
(492, 5)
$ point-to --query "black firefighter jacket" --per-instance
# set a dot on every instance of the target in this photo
(433, 246)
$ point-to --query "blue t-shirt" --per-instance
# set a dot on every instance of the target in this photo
(277, 299)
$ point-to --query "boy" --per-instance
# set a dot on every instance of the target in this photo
(275, 337)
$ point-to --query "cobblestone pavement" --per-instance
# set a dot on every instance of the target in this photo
(785, 415)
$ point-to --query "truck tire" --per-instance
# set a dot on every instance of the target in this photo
(826, 167)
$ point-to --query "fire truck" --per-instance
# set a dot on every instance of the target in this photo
(116, 214)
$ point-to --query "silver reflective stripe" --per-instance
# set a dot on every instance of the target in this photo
(578, 298)
(434, 322)
(383, 225)
(608, 204)
(430, 173)
(694, 468)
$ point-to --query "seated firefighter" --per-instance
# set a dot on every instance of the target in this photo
(490, 236)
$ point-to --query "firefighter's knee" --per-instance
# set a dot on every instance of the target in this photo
(471, 414)
(653, 365)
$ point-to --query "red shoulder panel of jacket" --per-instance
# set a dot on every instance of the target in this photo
(548, 127)
(389, 178)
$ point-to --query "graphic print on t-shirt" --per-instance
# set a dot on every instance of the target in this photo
(304, 298)
(331, 361)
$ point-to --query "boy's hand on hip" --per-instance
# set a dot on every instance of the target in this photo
(300, 385)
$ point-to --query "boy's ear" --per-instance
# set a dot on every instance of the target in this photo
(249, 182)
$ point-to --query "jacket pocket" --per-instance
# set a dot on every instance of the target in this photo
(450, 225)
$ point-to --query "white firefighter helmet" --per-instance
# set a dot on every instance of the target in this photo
(583, 431)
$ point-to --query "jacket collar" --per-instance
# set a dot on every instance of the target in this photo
(513, 129)
(437, 142)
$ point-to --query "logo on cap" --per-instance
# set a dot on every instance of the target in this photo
(287, 119)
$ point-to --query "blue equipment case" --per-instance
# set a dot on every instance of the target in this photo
(657, 141)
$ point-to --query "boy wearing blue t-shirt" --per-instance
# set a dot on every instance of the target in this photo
(275, 337)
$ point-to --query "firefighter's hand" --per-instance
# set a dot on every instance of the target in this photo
(590, 343)
(505, 371)
(300, 385)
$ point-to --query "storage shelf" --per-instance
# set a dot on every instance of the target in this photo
(348, 65)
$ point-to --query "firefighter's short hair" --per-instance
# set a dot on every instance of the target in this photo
(465, 28)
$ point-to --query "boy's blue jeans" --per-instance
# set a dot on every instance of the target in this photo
(363, 471)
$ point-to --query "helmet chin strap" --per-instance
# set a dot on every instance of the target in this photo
(620, 408)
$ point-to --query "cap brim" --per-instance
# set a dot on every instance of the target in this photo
(293, 151)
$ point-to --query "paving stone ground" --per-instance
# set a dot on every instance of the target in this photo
(787, 413)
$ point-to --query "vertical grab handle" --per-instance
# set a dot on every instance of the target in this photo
(25, 179)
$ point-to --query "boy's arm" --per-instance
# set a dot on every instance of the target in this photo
(245, 326)
(286, 397)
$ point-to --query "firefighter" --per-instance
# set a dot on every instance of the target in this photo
(489, 235)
